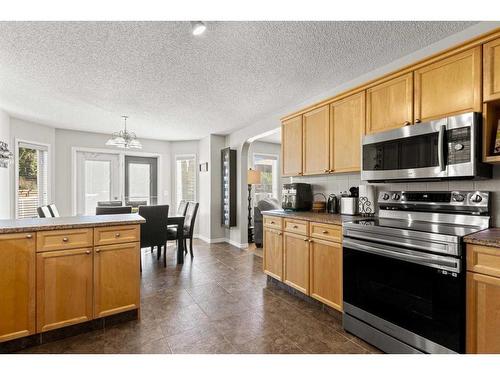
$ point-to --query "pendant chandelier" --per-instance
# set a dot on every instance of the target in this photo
(124, 138)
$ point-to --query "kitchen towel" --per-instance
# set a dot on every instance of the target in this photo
(366, 200)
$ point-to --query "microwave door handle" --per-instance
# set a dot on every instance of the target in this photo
(442, 129)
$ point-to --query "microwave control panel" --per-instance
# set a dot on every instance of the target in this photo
(459, 145)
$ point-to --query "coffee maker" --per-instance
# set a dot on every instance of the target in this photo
(297, 197)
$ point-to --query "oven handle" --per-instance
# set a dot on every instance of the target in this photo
(434, 261)
(442, 129)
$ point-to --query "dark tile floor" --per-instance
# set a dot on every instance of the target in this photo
(219, 302)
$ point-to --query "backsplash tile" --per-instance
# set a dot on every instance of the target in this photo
(342, 182)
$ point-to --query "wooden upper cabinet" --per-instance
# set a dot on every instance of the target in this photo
(296, 261)
(316, 136)
(491, 72)
(389, 105)
(483, 313)
(17, 285)
(326, 272)
(273, 253)
(291, 146)
(347, 127)
(116, 278)
(449, 86)
(64, 288)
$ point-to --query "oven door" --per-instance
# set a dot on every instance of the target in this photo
(412, 152)
(415, 297)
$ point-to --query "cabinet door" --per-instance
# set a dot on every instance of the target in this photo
(449, 87)
(291, 146)
(273, 253)
(17, 285)
(64, 288)
(326, 272)
(316, 141)
(116, 278)
(390, 104)
(347, 128)
(491, 75)
(483, 313)
(296, 261)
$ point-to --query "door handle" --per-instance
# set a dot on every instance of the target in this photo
(442, 129)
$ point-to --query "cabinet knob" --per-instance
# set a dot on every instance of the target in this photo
(327, 170)
(97, 250)
(87, 252)
(331, 171)
(117, 234)
(29, 236)
(305, 240)
(65, 239)
(417, 121)
(300, 173)
(272, 222)
(406, 123)
(279, 233)
(295, 227)
(325, 232)
(310, 241)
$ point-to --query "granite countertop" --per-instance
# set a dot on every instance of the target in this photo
(70, 222)
(319, 217)
(487, 237)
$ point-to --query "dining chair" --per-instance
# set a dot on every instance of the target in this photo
(153, 231)
(44, 211)
(109, 210)
(188, 230)
(109, 203)
(53, 210)
(181, 210)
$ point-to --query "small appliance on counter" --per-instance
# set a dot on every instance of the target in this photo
(332, 204)
(297, 197)
(349, 202)
(319, 205)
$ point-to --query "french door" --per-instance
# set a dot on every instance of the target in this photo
(97, 180)
(141, 175)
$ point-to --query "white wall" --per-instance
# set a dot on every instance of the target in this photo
(5, 198)
(65, 140)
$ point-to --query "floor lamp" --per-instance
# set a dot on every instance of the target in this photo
(253, 178)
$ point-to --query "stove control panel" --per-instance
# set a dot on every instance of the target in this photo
(474, 201)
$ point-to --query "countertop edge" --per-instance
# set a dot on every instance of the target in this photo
(488, 237)
(317, 217)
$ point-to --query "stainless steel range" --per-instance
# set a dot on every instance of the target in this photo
(404, 271)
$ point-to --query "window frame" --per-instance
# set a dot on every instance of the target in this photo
(185, 156)
(17, 142)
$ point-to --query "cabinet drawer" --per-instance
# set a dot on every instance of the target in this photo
(116, 234)
(296, 226)
(483, 259)
(63, 239)
(327, 232)
(273, 222)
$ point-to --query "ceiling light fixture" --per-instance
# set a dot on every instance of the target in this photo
(198, 27)
(124, 139)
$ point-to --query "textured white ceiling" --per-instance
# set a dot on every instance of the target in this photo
(84, 75)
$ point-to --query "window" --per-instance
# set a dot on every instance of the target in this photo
(32, 179)
(141, 180)
(268, 166)
(185, 178)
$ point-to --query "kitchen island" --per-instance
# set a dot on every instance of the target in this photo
(59, 272)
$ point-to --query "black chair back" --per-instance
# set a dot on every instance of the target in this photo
(154, 230)
(44, 211)
(190, 217)
(109, 203)
(53, 210)
(113, 210)
(181, 211)
(137, 203)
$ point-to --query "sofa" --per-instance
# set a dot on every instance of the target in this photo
(265, 204)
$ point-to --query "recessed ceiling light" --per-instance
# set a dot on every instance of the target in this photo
(198, 27)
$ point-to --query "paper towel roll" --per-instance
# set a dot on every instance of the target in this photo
(367, 200)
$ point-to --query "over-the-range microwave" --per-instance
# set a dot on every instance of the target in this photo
(449, 148)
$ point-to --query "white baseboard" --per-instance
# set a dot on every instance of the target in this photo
(210, 240)
(237, 244)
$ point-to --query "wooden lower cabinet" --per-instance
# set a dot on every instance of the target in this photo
(17, 285)
(116, 278)
(273, 253)
(326, 272)
(483, 313)
(296, 261)
(64, 293)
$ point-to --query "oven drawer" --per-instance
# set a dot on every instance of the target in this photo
(327, 232)
(63, 239)
(296, 226)
(483, 259)
(273, 222)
